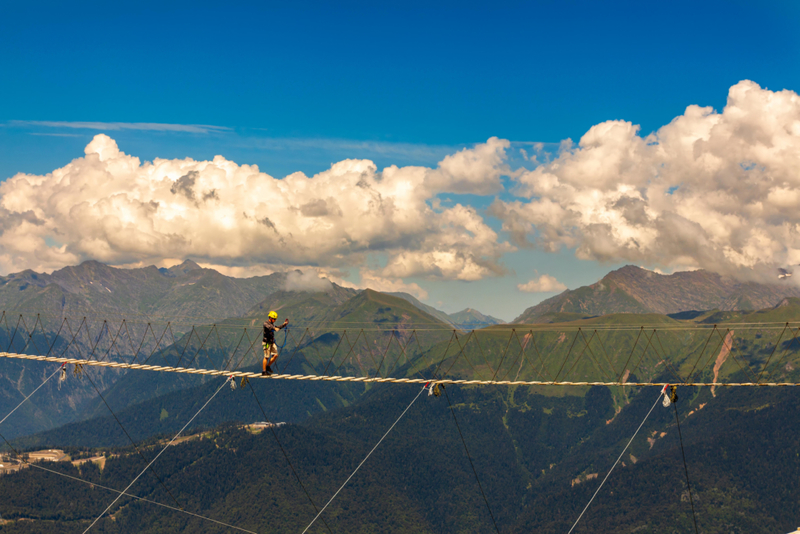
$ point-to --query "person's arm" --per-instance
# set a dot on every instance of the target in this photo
(286, 322)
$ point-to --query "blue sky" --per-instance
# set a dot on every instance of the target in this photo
(298, 86)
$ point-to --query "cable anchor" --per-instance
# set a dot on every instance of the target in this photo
(670, 397)
(433, 389)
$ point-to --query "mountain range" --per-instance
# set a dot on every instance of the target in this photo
(538, 451)
(635, 290)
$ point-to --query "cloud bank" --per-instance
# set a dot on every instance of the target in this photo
(713, 190)
(719, 191)
(111, 207)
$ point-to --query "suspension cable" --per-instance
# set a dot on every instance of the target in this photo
(364, 460)
(661, 393)
(157, 456)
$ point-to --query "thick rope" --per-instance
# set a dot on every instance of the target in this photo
(318, 378)
(156, 458)
(618, 459)
(364, 460)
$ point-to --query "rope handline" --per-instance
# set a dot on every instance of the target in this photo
(746, 368)
(328, 378)
(143, 499)
(474, 471)
(635, 344)
(364, 460)
(483, 355)
(325, 371)
(777, 343)
(691, 373)
(780, 360)
(188, 340)
(538, 355)
(580, 356)
(202, 346)
(569, 353)
(444, 356)
(296, 348)
(144, 336)
(644, 353)
(685, 468)
(661, 394)
(591, 352)
(502, 359)
(158, 343)
(11, 342)
(714, 353)
(288, 461)
(157, 456)
(229, 361)
(664, 359)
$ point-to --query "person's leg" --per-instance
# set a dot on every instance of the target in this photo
(266, 357)
(274, 354)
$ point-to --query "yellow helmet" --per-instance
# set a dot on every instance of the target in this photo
(273, 315)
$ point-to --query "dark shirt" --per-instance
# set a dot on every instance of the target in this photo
(269, 332)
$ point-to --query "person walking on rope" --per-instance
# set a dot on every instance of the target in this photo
(270, 348)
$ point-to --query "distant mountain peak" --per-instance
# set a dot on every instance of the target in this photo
(185, 267)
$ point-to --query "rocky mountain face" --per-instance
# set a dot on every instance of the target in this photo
(187, 291)
(636, 290)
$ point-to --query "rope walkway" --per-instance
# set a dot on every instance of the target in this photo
(319, 378)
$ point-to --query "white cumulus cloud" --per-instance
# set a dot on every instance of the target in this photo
(112, 207)
(544, 284)
(712, 190)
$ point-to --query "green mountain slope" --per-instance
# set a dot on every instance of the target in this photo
(539, 459)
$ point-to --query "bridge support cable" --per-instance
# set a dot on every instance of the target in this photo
(660, 395)
(141, 455)
(131, 495)
(685, 468)
(158, 455)
(288, 461)
(364, 460)
(46, 380)
(474, 471)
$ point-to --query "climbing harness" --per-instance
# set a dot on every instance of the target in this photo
(244, 382)
(285, 336)
(233, 383)
(77, 372)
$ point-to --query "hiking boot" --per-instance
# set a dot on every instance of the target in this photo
(264, 373)
(269, 370)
